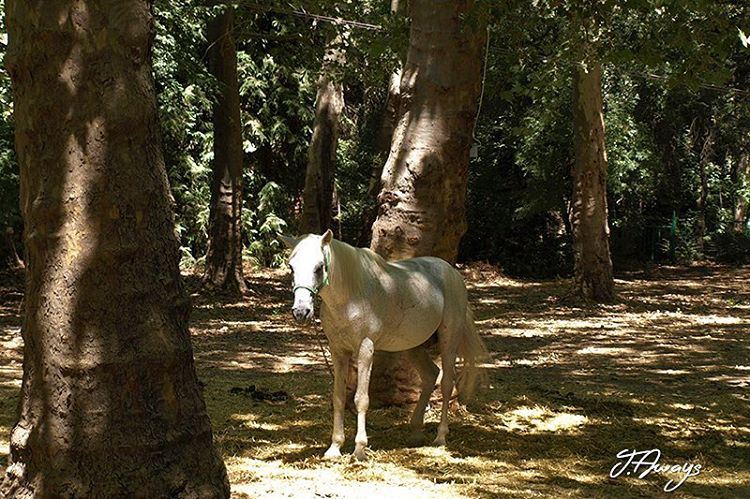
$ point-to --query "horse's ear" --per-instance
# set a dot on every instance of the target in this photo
(289, 241)
(327, 237)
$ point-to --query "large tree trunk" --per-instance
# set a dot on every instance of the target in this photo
(390, 120)
(317, 199)
(224, 257)
(421, 202)
(391, 115)
(110, 403)
(740, 205)
(593, 266)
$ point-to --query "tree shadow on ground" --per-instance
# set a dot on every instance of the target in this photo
(667, 366)
(572, 384)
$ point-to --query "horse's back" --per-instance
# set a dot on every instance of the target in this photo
(439, 272)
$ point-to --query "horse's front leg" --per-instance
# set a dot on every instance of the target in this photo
(340, 370)
(362, 397)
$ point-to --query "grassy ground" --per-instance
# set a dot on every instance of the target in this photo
(667, 367)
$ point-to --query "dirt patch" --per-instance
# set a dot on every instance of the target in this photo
(667, 366)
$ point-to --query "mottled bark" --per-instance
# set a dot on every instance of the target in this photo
(224, 256)
(317, 199)
(421, 202)
(390, 120)
(593, 265)
(110, 404)
(391, 115)
(740, 204)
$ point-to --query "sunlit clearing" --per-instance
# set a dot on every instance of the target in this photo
(612, 351)
(671, 372)
(539, 361)
(250, 421)
(318, 478)
(715, 319)
(539, 419)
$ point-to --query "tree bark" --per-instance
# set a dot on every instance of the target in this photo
(317, 198)
(740, 205)
(593, 278)
(421, 202)
(390, 120)
(224, 257)
(110, 403)
(391, 115)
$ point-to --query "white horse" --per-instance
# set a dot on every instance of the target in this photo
(370, 304)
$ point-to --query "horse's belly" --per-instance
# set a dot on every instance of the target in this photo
(412, 331)
(394, 323)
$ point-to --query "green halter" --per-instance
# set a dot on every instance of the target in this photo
(326, 278)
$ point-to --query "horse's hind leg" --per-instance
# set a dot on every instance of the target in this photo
(362, 398)
(448, 357)
(428, 373)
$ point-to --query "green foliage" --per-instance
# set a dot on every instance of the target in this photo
(184, 97)
(10, 217)
(686, 248)
(667, 85)
(359, 155)
(264, 224)
(675, 74)
(732, 247)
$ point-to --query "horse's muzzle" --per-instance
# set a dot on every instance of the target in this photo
(302, 314)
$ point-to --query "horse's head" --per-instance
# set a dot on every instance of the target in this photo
(310, 263)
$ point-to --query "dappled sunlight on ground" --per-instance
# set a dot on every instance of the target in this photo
(571, 384)
(540, 419)
(312, 478)
(11, 354)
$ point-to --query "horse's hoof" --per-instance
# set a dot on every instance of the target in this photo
(332, 453)
(439, 442)
(359, 455)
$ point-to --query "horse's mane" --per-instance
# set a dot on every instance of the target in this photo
(358, 268)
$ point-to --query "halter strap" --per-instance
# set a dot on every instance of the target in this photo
(326, 278)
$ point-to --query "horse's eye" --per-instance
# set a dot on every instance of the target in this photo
(318, 269)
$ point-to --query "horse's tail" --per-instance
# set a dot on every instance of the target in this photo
(472, 350)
